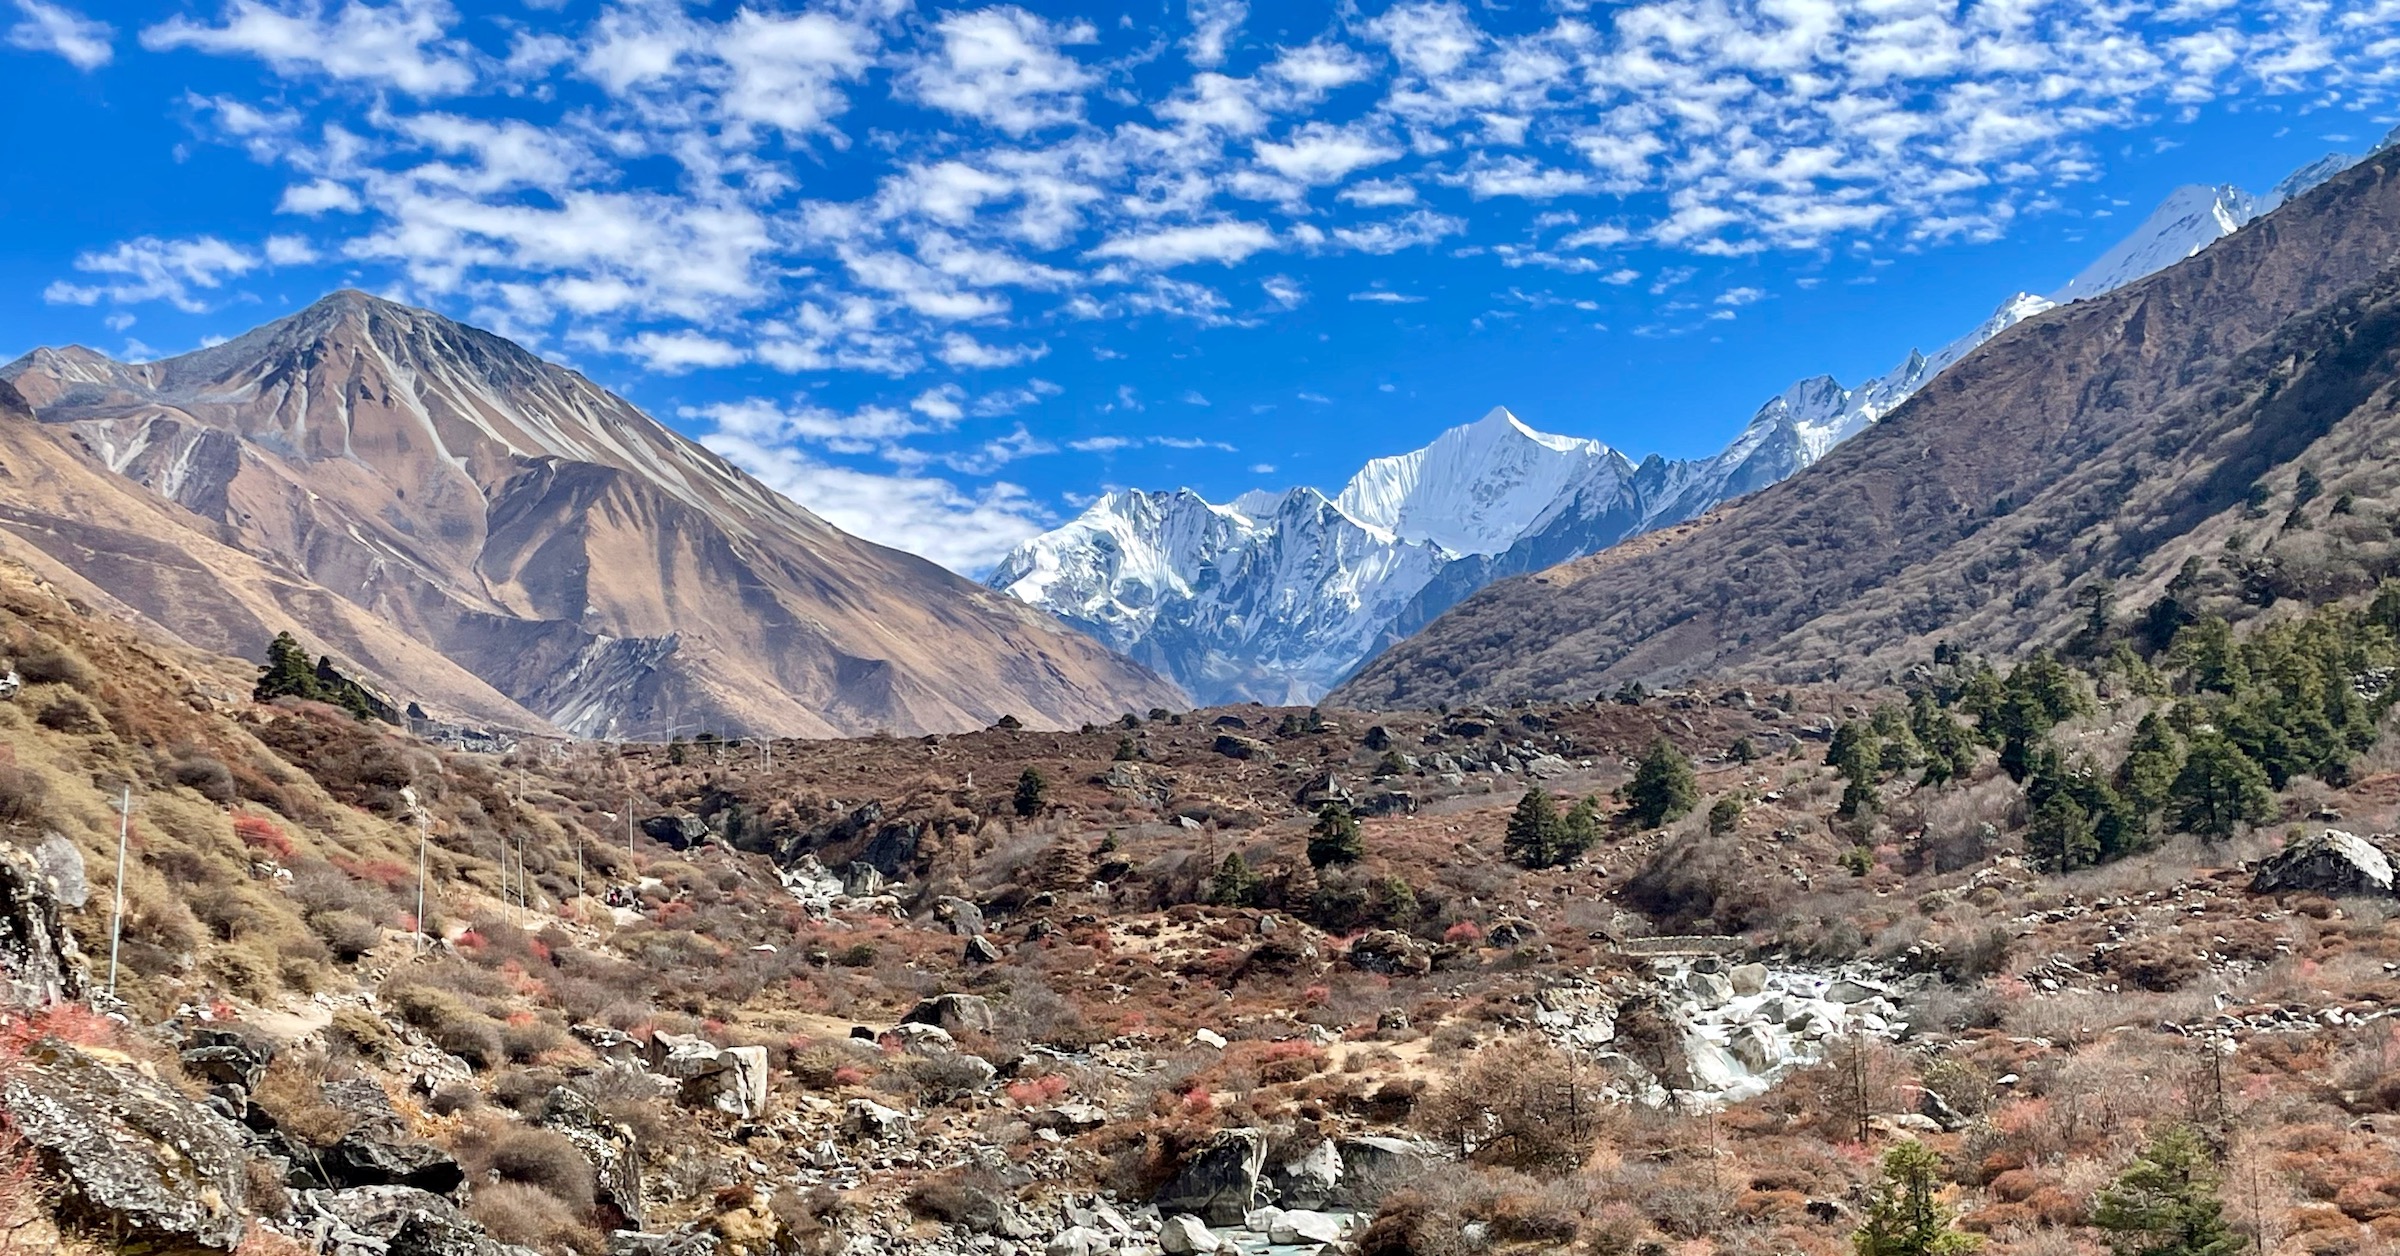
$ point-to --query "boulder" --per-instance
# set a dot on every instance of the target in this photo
(957, 1013)
(1069, 1118)
(131, 1156)
(611, 1148)
(1390, 952)
(1219, 1181)
(681, 831)
(61, 866)
(39, 964)
(378, 1150)
(982, 950)
(390, 1221)
(1755, 1046)
(1077, 1240)
(862, 880)
(874, 1122)
(2332, 863)
(1854, 990)
(729, 1079)
(1301, 1225)
(958, 916)
(1186, 1235)
(1372, 1164)
(1309, 1180)
(221, 1057)
(1233, 747)
(1710, 990)
(1747, 979)
(1547, 767)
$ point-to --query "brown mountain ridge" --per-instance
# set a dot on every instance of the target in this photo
(2098, 447)
(403, 488)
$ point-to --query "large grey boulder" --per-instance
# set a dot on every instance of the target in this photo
(1218, 1182)
(732, 1080)
(1310, 1179)
(681, 831)
(390, 1221)
(2332, 862)
(1390, 952)
(132, 1156)
(1374, 1164)
(39, 963)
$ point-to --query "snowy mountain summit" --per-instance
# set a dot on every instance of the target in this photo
(1278, 596)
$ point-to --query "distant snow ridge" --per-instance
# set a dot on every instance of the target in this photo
(1277, 597)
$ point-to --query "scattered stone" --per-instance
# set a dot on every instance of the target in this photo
(982, 950)
(1209, 1038)
(1233, 747)
(873, 1121)
(959, 916)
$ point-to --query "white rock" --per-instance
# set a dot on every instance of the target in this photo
(1303, 1226)
(1209, 1038)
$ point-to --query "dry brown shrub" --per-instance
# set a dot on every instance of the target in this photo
(513, 1212)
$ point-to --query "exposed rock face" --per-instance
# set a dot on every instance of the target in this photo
(378, 1150)
(577, 562)
(134, 1156)
(616, 1161)
(1219, 1182)
(38, 957)
(390, 1221)
(2332, 862)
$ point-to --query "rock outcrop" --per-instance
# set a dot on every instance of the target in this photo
(2332, 862)
(38, 958)
(135, 1158)
(1219, 1182)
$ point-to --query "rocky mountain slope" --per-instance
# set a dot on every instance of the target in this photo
(542, 534)
(1276, 598)
(2219, 427)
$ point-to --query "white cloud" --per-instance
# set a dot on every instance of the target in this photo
(1284, 291)
(1419, 228)
(1003, 67)
(1596, 236)
(1380, 193)
(962, 350)
(1739, 296)
(674, 352)
(87, 44)
(788, 71)
(403, 45)
(316, 197)
(923, 514)
(1224, 242)
(1322, 153)
(151, 269)
(1387, 298)
(1213, 24)
(289, 250)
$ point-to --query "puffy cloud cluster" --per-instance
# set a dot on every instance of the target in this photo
(927, 193)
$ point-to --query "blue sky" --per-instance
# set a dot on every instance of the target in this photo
(941, 272)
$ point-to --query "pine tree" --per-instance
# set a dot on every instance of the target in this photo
(2060, 838)
(1948, 745)
(1234, 883)
(1579, 831)
(1904, 1218)
(1725, 816)
(2165, 1203)
(287, 673)
(1663, 786)
(2219, 788)
(1857, 753)
(1127, 751)
(1536, 836)
(1335, 839)
(1032, 792)
(2147, 776)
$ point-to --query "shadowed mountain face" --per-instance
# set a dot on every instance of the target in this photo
(606, 575)
(2101, 444)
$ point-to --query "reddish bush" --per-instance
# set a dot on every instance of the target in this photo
(1464, 933)
(263, 837)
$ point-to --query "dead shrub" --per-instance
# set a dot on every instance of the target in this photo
(516, 1213)
(1520, 1104)
(56, 664)
(24, 797)
(545, 1160)
(451, 1024)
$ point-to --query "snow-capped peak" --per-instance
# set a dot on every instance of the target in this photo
(2189, 220)
(1477, 487)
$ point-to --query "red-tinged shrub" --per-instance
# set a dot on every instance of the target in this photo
(70, 1023)
(1464, 933)
(473, 941)
(1315, 996)
(1037, 1091)
(391, 874)
(849, 1076)
(1197, 1099)
(263, 837)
